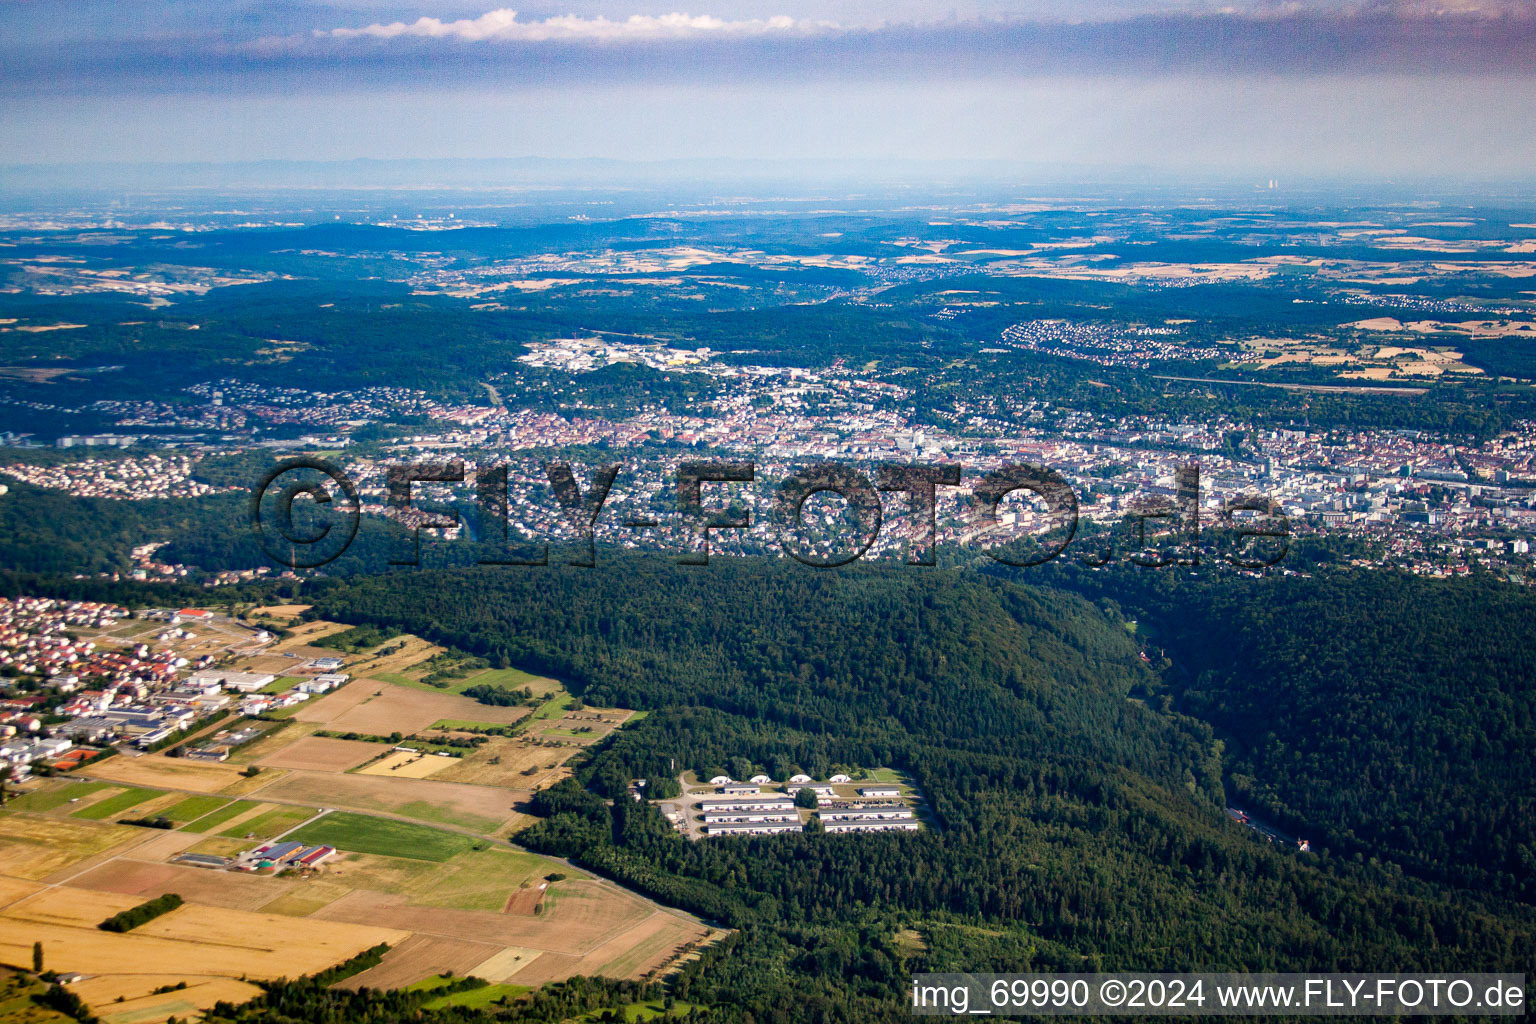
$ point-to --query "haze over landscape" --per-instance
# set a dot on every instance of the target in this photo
(1321, 90)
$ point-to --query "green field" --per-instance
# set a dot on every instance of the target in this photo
(272, 824)
(359, 833)
(53, 796)
(477, 998)
(194, 807)
(113, 805)
(282, 684)
(552, 708)
(209, 822)
(509, 678)
(421, 810)
(460, 723)
(478, 879)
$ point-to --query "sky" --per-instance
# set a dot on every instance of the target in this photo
(1357, 90)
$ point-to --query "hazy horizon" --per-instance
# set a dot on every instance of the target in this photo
(1318, 90)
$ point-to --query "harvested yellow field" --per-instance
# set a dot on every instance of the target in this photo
(13, 889)
(414, 651)
(278, 739)
(141, 1005)
(503, 965)
(159, 845)
(200, 941)
(163, 772)
(243, 785)
(69, 907)
(378, 709)
(281, 611)
(319, 753)
(308, 632)
(405, 765)
(515, 763)
(34, 847)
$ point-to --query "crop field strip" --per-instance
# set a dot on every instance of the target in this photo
(116, 804)
(227, 813)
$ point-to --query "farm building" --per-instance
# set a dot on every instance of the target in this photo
(313, 856)
(758, 815)
(871, 826)
(299, 855)
(839, 778)
(721, 780)
(748, 803)
(879, 791)
(759, 780)
(801, 778)
(866, 814)
(737, 789)
(753, 828)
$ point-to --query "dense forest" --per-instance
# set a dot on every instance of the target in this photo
(1385, 715)
(1074, 792)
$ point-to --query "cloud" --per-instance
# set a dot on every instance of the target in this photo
(741, 46)
(501, 25)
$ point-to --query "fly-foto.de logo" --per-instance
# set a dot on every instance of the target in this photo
(1161, 530)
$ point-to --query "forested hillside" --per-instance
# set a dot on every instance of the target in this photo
(1385, 715)
(1072, 825)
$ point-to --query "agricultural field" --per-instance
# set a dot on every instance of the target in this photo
(281, 612)
(36, 846)
(382, 836)
(405, 764)
(443, 900)
(591, 925)
(192, 808)
(224, 815)
(482, 808)
(132, 999)
(516, 763)
(270, 824)
(133, 802)
(306, 633)
(172, 773)
(379, 709)
(506, 678)
(318, 753)
(477, 998)
(143, 879)
(204, 943)
(398, 654)
(52, 795)
(270, 741)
